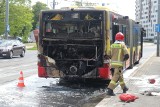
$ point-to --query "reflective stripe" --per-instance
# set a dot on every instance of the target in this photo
(121, 62)
(121, 82)
(20, 81)
(117, 64)
(116, 46)
(113, 82)
(119, 53)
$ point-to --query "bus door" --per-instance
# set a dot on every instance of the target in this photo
(115, 30)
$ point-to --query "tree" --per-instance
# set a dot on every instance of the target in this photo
(20, 17)
(20, 20)
(36, 11)
(77, 3)
(2, 16)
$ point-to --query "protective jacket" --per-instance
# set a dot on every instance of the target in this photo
(119, 53)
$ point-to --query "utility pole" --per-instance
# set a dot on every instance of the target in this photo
(158, 22)
(54, 3)
(81, 3)
(7, 20)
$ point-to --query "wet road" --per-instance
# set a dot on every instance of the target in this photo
(10, 68)
(40, 92)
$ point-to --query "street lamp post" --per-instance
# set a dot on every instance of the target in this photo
(54, 3)
(158, 22)
(7, 19)
(81, 2)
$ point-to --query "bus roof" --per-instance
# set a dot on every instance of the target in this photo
(105, 8)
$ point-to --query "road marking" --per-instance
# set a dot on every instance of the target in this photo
(29, 64)
(21, 66)
(17, 73)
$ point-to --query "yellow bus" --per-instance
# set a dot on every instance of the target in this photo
(73, 43)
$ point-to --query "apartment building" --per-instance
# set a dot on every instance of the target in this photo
(147, 14)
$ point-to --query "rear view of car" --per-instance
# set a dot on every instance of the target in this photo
(10, 48)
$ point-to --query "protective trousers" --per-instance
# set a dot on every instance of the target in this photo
(117, 76)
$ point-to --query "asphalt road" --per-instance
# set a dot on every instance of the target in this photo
(10, 68)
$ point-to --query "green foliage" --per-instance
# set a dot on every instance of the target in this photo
(77, 3)
(20, 17)
(20, 20)
(31, 46)
(2, 16)
(36, 11)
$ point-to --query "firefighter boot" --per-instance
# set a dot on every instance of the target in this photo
(110, 92)
(125, 89)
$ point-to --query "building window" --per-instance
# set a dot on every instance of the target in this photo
(155, 1)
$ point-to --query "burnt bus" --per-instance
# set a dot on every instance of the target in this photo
(74, 43)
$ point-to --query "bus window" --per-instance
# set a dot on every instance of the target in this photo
(115, 30)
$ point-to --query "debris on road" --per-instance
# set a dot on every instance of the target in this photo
(151, 81)
(127, 97)
(151, 93)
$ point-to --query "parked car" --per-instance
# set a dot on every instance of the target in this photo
(10, 48)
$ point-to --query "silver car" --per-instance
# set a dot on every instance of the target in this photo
(10, 48)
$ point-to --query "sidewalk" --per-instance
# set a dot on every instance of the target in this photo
(149, 94)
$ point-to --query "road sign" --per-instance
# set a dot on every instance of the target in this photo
(8, 28)
(157, 28)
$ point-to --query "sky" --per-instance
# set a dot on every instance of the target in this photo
(124, 7)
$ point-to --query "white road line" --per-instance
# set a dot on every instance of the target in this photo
(17, 73)
(4, 60)
(13, 67)
(29, 64)
(18, 66)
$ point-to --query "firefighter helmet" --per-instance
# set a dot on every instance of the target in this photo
(119, 36)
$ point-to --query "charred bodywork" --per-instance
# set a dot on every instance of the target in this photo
(71, 43)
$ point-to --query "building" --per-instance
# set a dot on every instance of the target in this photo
(147, 14)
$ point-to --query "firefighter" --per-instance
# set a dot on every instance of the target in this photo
(118, 54)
